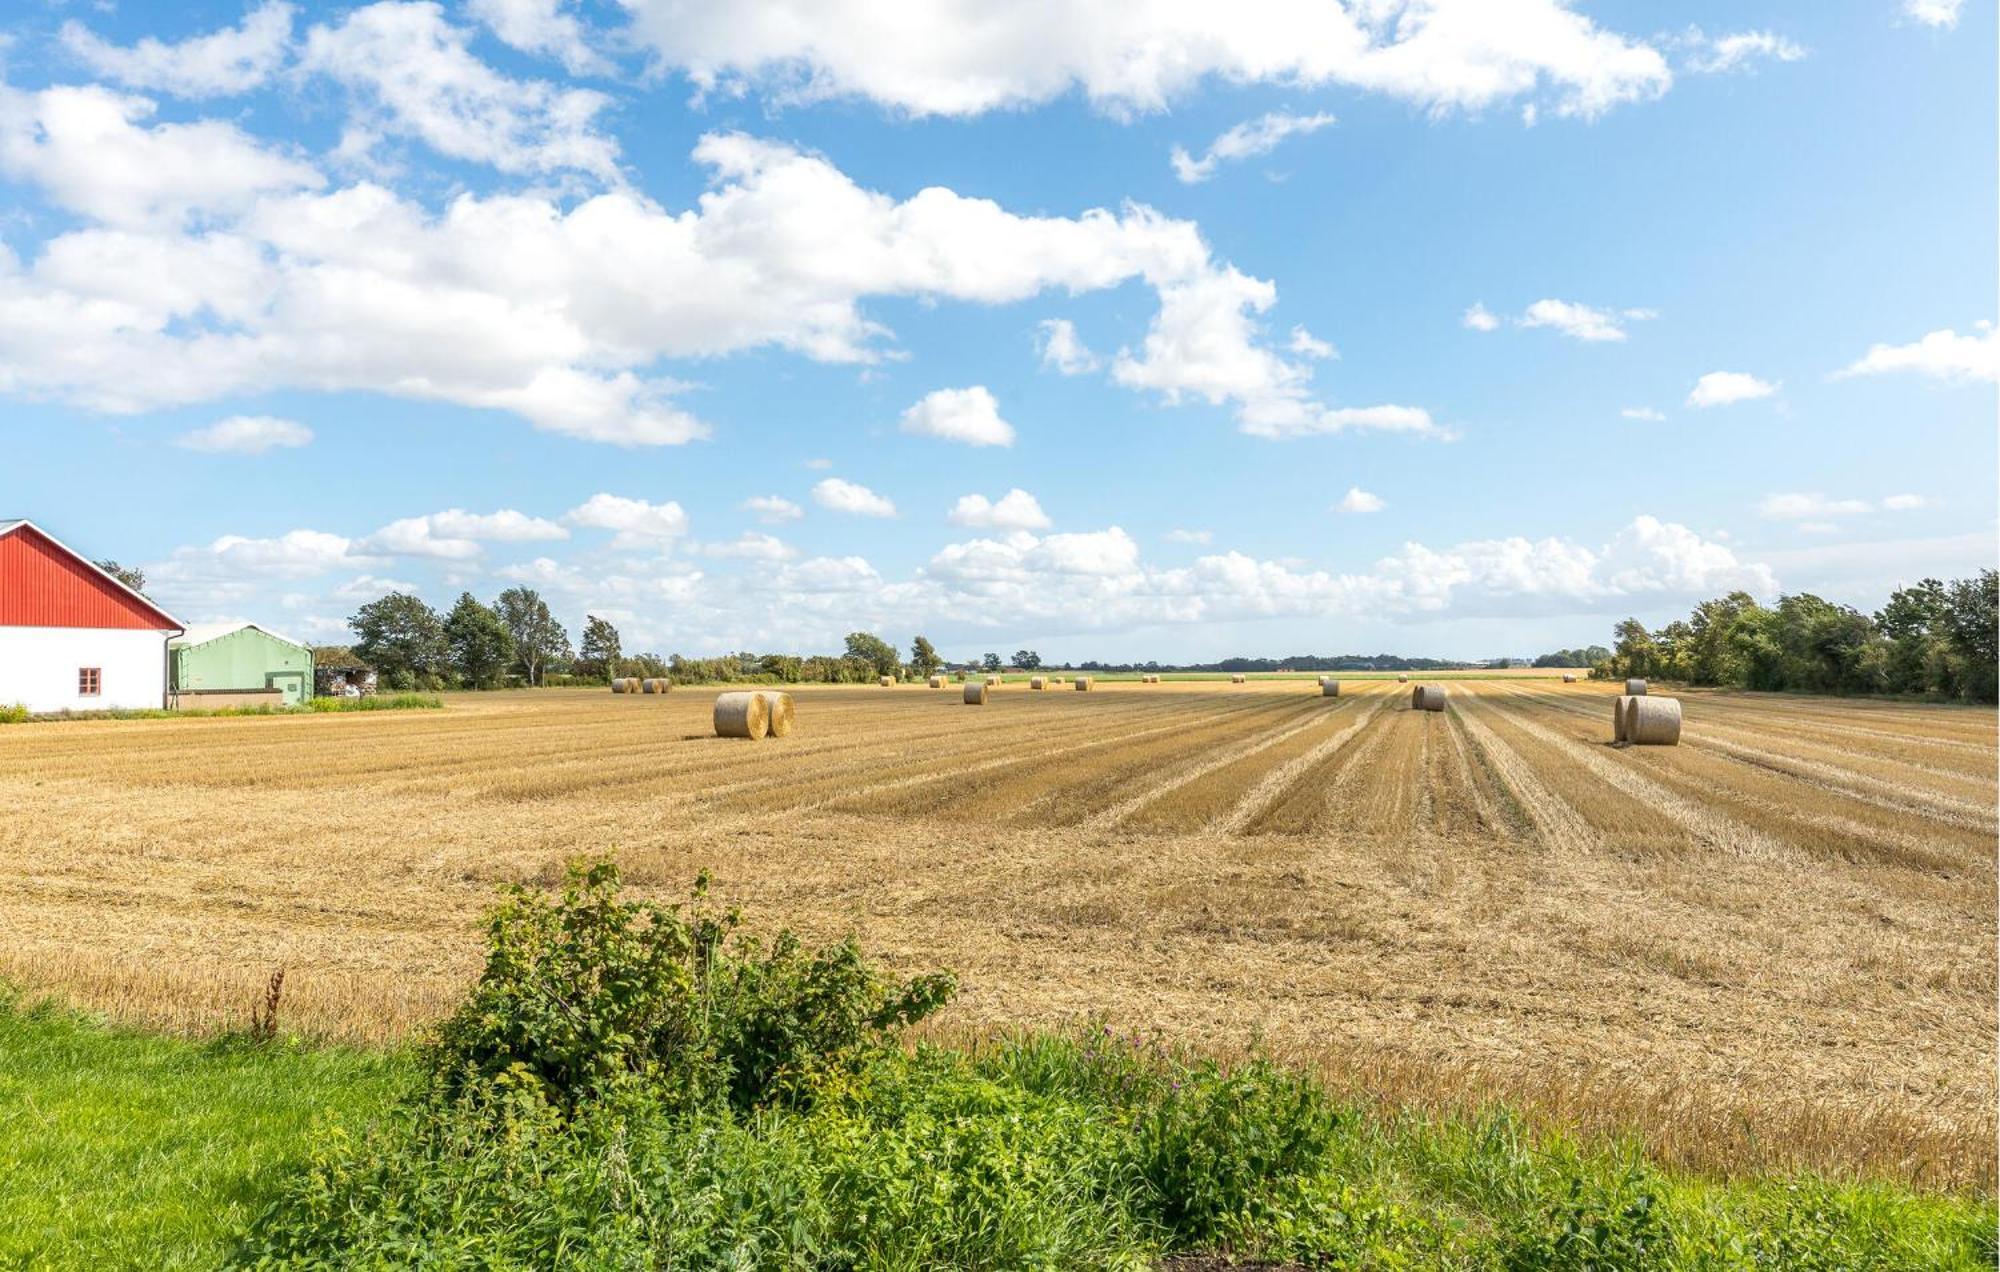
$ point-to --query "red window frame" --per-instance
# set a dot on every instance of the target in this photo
(90, 682)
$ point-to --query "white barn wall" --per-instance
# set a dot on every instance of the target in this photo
(38, 667)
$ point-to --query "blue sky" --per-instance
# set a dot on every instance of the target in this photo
(1457, 329)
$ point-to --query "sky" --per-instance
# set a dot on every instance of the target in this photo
(1158, 331)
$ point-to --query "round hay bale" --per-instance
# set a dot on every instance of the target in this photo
(937, 682)
(975, 694)
(1569, 680)
(1427, 698)
(778, 712)
(993, 680)
(1651, 721)
(1402, 680)
(888, 681)
(742, 713)
(1083, 684)
(1036, 682)
(1329, 687)
(1058, 680)
(1236, 679)
(1635, 687)
(1618, 706)
(618, 685)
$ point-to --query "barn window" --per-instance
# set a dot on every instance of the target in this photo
(89, 681)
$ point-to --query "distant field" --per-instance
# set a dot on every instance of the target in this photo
(1770, 945)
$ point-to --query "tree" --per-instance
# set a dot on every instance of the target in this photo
(1633, 655)
(600, 651)
(538, 637)
(403, 640)
(873, 650)
(1914, 622)
(480, 646)
(1027, 659)
(991, 662)
(1972, 632)
(130, 575)
(924, 658)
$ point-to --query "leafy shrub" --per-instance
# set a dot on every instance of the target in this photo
(588, 991)
(15, 714)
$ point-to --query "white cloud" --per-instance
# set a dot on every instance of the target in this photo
(1307, 345)
(1060, 348)
(637, 524)
(1721, 54)
(1357, 500)
(1579, 322)
(90, 150)
(455, 534)
(504, 526)
(558, 313)
(819, 465)
(1940, 355)
(1479, 318)
(1905, 503)
(1246, 140)
(1810, 507)
(960, 57)
(1190, 536)
(1015, 510)
(751, 546)
(415, 77)
(773, 509)
(542, 27)
(1645, 414)
(1934, 13)
(245, 435)
(967, 415)
(1722, 388)
(846, 496)
(225, 63)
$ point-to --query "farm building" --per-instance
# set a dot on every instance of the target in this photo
(72, 637)
(235, 665)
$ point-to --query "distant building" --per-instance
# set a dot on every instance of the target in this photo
(72, 637)
(237, 665)
(346, 678)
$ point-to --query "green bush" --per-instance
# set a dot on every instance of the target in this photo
(588, 991)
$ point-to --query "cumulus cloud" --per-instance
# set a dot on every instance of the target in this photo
(968, 415)
(1644, 414)
(1246, 140)
(1812, 508)
(635, 523)
(773, 509)
(751, 545)
(1580, 322)
(1933, 13)
(1715, 55)
(414, 77)
(455, 534)
(1905, 503)
(1061, 349)
(845, 496)
(1357, 500)
(1307, 345)
(224, 63)
(1479, 318)
(245, 435)
(1940, 355)
(545, 28)
(1190, 536)
(1723, 388)
(963, 58)
(1015, 510)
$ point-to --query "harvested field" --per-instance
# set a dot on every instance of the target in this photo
(1769, 945)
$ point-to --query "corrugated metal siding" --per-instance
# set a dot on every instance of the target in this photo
(43, 586)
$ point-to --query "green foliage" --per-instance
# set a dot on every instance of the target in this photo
(480, 646)
(879, 654)
(538, 638)
(587, 993)
(403, 639)
(924, 660)
(1935, 639)
(312, 706)
(14, 714)
(378, 702)
(1027, 659)
(1588, 656)
(599, 653)
(130, 575)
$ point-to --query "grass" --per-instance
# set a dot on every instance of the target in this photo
(124, 1149)
(312, 706)
(1770, 948)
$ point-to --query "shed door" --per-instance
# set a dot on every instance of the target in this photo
(292, 682)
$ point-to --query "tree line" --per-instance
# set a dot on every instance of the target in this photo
(1938, 639)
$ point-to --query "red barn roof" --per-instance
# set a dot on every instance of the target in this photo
(44, 584)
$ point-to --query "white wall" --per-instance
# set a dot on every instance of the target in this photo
(38, 667)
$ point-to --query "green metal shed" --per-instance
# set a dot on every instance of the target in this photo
(216, 659)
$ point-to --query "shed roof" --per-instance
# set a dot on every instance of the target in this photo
(202, 633)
